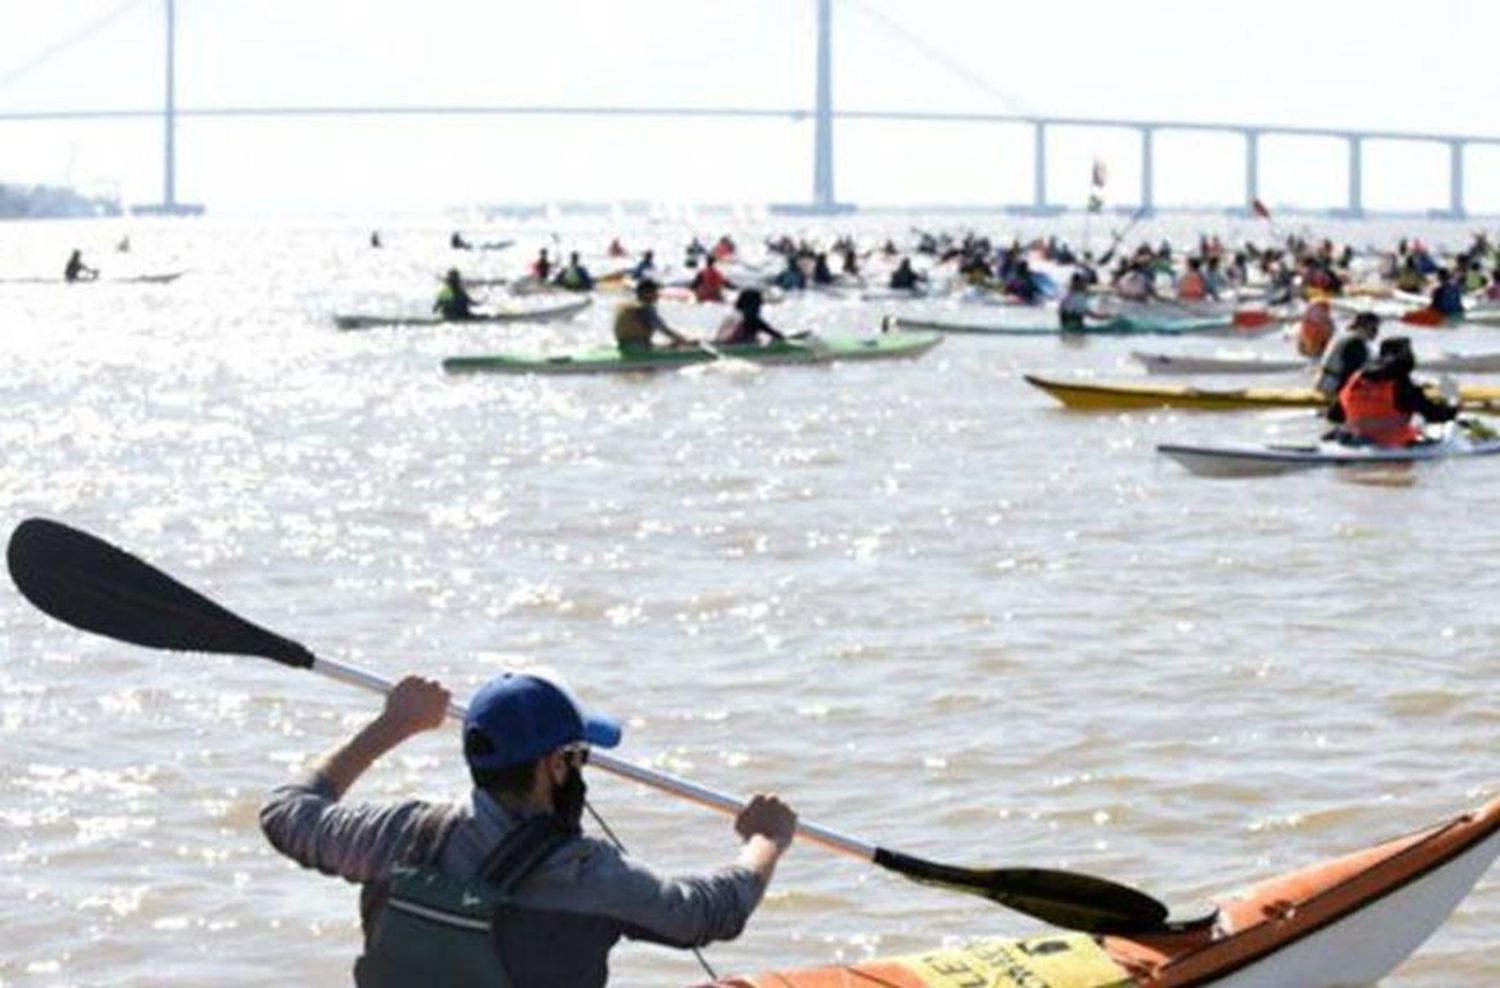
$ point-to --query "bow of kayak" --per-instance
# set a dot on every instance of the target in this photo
(1350, 920)
(610, 360)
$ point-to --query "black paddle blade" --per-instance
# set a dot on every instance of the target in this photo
(1062, 898)
(86, 582)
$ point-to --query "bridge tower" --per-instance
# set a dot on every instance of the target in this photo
(169, 206)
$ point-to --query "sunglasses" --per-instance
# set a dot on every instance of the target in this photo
(576, 755)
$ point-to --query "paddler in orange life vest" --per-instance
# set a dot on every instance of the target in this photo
(1316, 330)
(638, 322)
(708, 284)
(1378, 403)
(1193, 287)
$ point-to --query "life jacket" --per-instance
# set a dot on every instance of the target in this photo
(1449, 299)
(1410, 280)
(1316, 330)
(708, 285)
(633, 326)
(1370, 412)
(1192, 287)
(436, 929)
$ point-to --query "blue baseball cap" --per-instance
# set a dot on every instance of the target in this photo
(519, 717)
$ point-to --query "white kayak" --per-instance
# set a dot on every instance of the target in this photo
(1219, 363)
(1250, 460)
(1447, 362)
(552, 313)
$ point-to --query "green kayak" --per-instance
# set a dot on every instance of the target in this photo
(813, 350)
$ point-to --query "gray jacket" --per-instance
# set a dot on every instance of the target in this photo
(571, 910)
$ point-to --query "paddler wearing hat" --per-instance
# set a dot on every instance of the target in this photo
(504, 888)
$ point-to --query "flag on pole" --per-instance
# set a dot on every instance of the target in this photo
(1100, 175)
(1260, 209)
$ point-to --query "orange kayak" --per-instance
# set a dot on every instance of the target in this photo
(1347, 921)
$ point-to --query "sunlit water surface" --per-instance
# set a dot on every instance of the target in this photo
(920, 601)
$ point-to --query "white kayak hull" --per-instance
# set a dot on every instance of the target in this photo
(1248, 460)
(1173, 363)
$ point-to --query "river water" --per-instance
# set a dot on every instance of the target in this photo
(923, 603)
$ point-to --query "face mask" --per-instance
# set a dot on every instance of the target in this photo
(567, 799)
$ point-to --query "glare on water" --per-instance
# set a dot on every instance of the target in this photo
(918, 599)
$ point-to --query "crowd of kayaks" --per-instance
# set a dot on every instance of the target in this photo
(1245, 314)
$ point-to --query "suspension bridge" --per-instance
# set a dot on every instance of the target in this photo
(825, 114)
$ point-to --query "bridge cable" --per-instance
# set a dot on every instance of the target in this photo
(62, 45)
(941, 58)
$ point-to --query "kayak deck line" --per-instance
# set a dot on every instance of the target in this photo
(1349, 920)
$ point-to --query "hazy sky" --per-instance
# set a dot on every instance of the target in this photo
(1366, 64)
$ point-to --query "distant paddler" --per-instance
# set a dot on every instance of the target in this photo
(1448, 296)
(457, 242)
(454, 303)
(746, 327)
(1378, 403)
(1021, 284)
(575, 277)
(645, 267)
(1316, 330)
(708, 285)
(616, 249)
(76, 270)
(906, 279)
(1193, 286)
(1076, 307)
(638, 322)
(1349, 353)
(541, 268)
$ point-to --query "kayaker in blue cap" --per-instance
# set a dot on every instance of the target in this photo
(503, 888)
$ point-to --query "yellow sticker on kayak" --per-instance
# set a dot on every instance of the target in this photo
(1065, 961)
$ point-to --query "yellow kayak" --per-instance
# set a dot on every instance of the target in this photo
(1087, 395)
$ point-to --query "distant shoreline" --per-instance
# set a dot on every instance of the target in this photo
(53, 202)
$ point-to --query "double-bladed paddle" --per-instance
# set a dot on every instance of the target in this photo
(83, 581)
